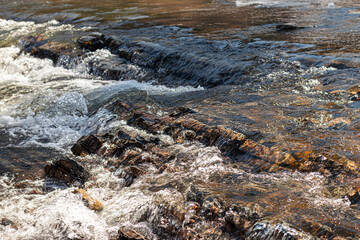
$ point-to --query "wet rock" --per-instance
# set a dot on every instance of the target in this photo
(240, 218)
(26, 162)
(126, 233)
(167, 64)
(89, 200)
(68, 171)
(181, 111)
(42, 47)
(232, 144)
(114, 68)
(337, 123)
(275, 231)
(194, 194)
(354, 197)
(86, 145)
(7, 222)
(343, 63)
(287, 27)
(129, 173)
(93, 41)
(129, 150)
(213, 207)
(183, 135)
(226, 221)
(354, 92)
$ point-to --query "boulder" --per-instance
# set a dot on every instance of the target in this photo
(68, 171)
(86, 145)
(92, 41)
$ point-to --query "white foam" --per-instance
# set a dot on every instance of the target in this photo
(284, 3)
(43, 104)
(12, 30)
(267, 3)
(118, 86)
(62, 214)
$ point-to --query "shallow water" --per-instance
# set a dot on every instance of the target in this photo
(227, 61)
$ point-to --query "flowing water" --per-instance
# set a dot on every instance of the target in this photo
(229, 61)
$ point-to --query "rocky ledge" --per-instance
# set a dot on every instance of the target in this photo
(130, 150)
(167, 64)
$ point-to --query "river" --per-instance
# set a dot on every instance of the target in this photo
(284, 75)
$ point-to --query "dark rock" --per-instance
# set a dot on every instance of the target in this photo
(114, 44)
(181, 111)
(126, 233)
(93, 41)
(354, 92)
(287, 27)
(128, 149)
(86, 145)
(354, 197)
(338, 65)
(168, 64)
(7, 222)
(355, 98)
(42, 47)
(129, 173)
(343, 63)
(193, 194)
(68, 171)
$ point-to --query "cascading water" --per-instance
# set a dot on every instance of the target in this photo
(168, 101)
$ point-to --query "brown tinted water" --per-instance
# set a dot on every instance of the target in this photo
(331, 25)
(228, 61)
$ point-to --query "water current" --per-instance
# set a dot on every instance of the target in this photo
(283, 73)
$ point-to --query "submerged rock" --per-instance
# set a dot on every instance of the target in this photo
(129, 173)
(287, 27)
(68, 171)
(131, 149)
(343, 63)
